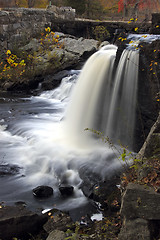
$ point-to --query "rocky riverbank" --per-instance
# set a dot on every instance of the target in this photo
(24, 68)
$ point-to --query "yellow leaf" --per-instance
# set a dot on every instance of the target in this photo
(144, 36)
(155, 63)
(155, 50)
(157, 26)
(136, 29)
(8, 52)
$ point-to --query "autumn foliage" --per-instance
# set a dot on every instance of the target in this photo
(141, 4)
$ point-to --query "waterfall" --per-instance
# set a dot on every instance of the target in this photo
(104, 100)
(42, 138)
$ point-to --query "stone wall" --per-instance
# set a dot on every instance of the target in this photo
(63, 12)
(18, 25)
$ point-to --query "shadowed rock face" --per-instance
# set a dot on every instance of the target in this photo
(148, 89)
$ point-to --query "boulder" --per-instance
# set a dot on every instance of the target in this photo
(141, 213)
(139, 201)
(80, 46)
(56, 235)
(42, 192)
(18, 222)
(66, 190)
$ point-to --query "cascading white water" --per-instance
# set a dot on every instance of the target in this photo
(121, 113)
(103, 100)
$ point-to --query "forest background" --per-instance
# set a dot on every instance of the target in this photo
(97, 9)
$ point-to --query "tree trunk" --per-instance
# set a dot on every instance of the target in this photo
(31, 3)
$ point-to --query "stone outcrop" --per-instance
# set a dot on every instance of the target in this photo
(49, 59)
(141, 211)
(18, 222)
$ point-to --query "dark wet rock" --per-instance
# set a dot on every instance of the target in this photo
(20, 204)
(19, 222)
(56, 235)
(57, 220)
(42, 192)
(8, 169)
(94, 188)
(66, 190)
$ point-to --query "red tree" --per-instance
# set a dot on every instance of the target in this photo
(139, 4)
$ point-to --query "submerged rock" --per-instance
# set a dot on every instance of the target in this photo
(8, 169)
(42, 192)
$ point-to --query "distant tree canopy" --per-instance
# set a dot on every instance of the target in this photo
(32, 3)
(94, 9)
(137, 5)
(7, 3)
(79, 5)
